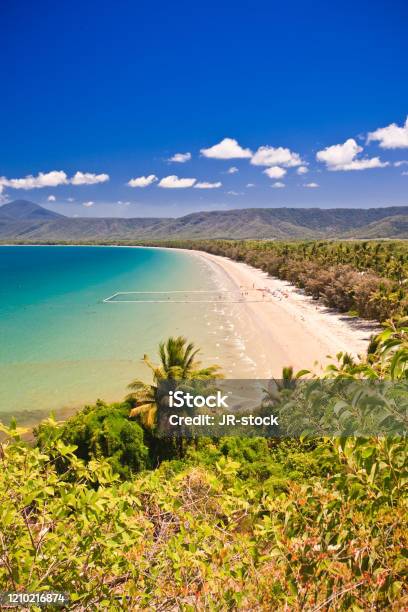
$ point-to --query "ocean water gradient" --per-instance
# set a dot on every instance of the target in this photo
(61, 346)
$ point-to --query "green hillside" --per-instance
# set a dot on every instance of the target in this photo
(27, 222)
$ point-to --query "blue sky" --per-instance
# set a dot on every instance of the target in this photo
(100, 93)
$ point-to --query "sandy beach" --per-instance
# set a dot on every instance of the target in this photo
(287, 327)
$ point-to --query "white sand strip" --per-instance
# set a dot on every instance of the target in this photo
(291, 329)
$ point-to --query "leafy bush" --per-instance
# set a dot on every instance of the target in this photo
(101, 431)
(234, 525)
(206, 537)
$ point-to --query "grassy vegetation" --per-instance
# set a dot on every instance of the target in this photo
(220, 524)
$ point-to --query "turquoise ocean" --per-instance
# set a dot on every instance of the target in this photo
(62, 346)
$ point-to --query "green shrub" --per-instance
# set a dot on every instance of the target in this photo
(101, 431)
(237, 524)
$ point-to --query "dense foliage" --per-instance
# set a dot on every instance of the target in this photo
(98, 432)
(367, 278)
(248, 524)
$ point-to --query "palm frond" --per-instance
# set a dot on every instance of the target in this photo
(137, 384)
(143, 410)
(178, 362)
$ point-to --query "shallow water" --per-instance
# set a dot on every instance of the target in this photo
(62, 346)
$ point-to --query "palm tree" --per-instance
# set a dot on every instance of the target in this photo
(178, 363)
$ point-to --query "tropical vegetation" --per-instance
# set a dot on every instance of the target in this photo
(178, 362)
(307, 523)
(364, 278)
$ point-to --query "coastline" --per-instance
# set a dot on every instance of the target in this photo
(290, 329)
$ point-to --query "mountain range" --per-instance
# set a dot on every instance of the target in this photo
(25, 221)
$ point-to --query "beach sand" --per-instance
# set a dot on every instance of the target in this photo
(287, 327)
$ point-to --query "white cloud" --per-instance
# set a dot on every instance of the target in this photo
(53, 179)
(391, 137)
(302, 170)
(142, 181)
(234, 193)
(51, 198)
(180, 158)
(70, 199)
(278, 185)
(279, 156)
(88, 204)
(174, 182)
(47, 179)
(404, 173)
(339, 155)
(88, 178)
(342, 157)
(275, 172)
(403, 162)
(232, 170)
(205, 185)
(311, 185)
(227, 149)
(365, 164)
(251, 185)
(1, 188)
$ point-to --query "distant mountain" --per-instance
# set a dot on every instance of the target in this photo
(25, 210)
(390, 227)
(25, 221)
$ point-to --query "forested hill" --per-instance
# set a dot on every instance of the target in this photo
(26, 221)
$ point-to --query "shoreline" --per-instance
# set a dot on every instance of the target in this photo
(290, 329)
